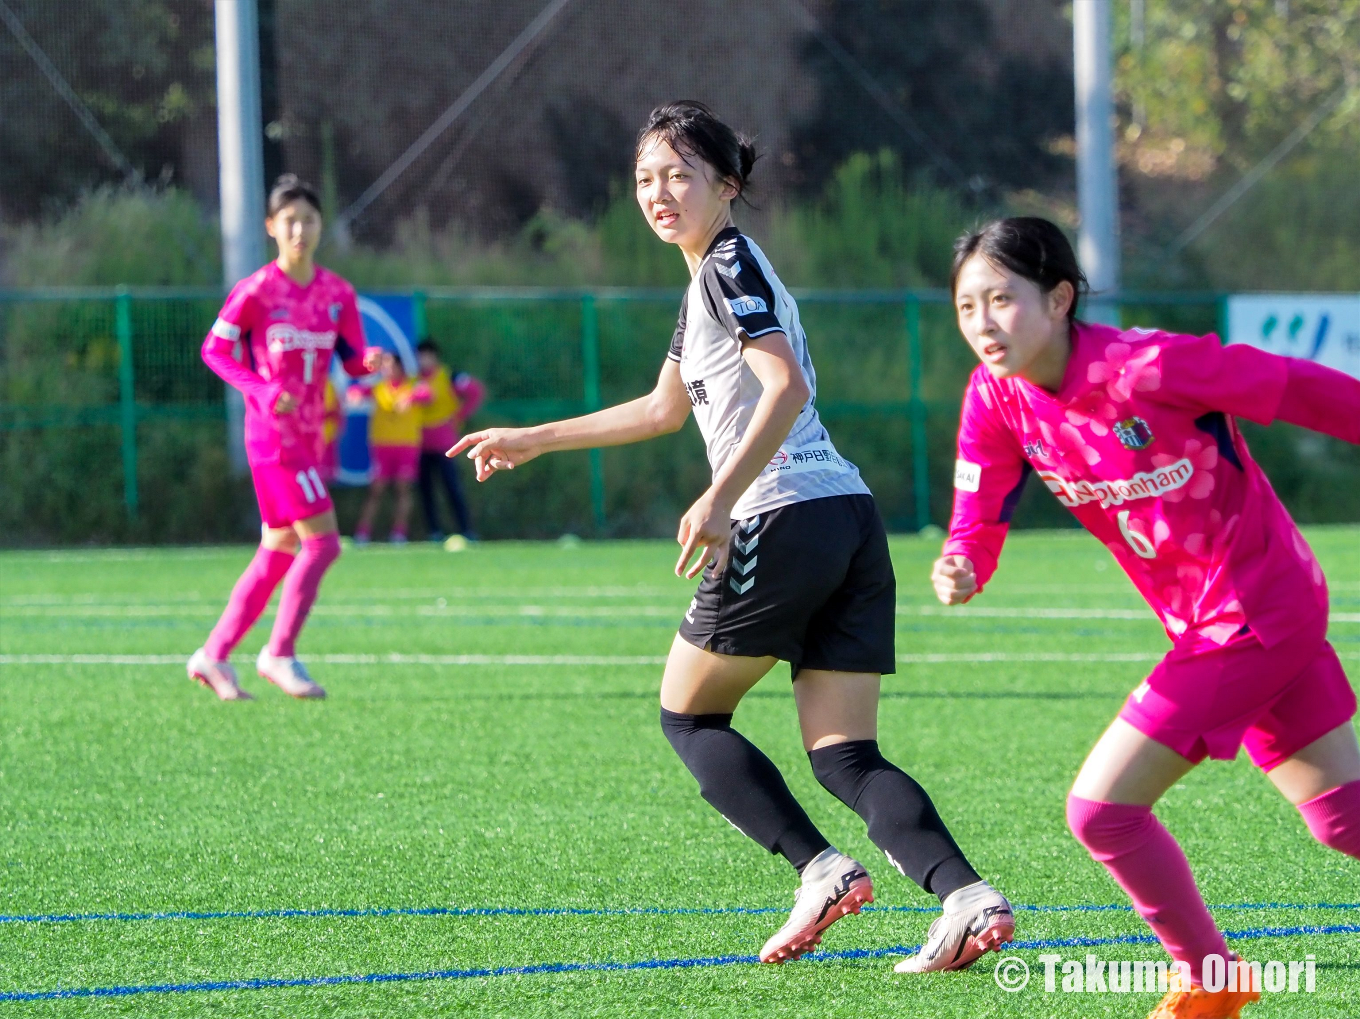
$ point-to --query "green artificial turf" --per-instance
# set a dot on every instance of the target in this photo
(423, 783)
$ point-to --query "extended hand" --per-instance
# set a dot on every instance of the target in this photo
(705, 525)
(497, 449)
(954, 579)
(373, 358)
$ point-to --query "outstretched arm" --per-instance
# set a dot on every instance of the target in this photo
(1322, 399)
(661, 411)
(1260, 386)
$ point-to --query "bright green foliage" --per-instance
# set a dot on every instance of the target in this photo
(873, 228)
(115, 235)
(1236, 76)
(1299, 229)
(127, 788)
(1205, 93)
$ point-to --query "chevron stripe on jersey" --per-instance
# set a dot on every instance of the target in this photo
(734, 298)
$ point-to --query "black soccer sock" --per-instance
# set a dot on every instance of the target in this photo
(902, 821)
(743, 785)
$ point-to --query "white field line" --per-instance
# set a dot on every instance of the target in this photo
(572, 611)
(570, 660)
(503, 593)
(366, 596)
(341, 659)
(356, 611)
(998, 612)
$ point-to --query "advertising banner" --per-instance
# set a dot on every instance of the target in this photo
(1319, 327)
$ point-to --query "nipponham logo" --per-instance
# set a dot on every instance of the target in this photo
(283, 336)
(1112, 493)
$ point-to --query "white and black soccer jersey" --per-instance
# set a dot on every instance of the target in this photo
(735, 297)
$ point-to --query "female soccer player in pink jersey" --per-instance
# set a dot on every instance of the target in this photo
(273, 340)
(1135, 431)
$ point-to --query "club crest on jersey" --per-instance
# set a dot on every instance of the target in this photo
(335, 310)
(1133, 433)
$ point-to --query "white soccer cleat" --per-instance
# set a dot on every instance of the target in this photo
(288, 674)
(833, 885)
(977, 920)
(219, 677)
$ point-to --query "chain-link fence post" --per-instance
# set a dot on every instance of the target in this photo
(418, 313)
(920, 465)
(590, 357)
(127, 399)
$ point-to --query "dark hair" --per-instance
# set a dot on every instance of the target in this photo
(1028, 246)
(692, 129)
(429, 344)
(289, 189)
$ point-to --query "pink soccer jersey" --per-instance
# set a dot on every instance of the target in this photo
(1141, 443)
(275, 336)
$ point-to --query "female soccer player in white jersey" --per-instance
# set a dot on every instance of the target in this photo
(1135, 431)
(797, 562)
(273, 340)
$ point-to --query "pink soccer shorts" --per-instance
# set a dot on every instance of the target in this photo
(397, 463)
(289, 494)
(1205, 700)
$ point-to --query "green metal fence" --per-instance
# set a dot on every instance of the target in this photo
(95, 366)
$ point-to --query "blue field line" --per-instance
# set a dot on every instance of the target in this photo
(476, 911)
(548, 968)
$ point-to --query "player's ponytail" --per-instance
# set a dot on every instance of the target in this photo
(692, 129)
(1028, 246)
(747, 159)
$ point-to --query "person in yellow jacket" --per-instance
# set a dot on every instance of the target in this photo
(332, 425)
(453, 399)
(394, 441)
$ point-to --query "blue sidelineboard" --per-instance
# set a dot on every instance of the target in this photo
(389, 321)
(1319, 327)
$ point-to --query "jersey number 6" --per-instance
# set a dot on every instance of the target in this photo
(1140, 544)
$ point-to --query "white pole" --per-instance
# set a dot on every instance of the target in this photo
(1097, 175)
(240, 162)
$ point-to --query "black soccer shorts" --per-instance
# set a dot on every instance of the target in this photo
(811, 584)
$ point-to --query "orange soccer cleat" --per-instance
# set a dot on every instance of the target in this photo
(1198, 1003)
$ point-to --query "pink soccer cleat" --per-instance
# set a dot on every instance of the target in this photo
(977, 920)
(219, 677)
(833, 885)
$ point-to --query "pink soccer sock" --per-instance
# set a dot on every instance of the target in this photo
(247, 601)
(1148, 864)
(299, 591)
(1334, 818)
